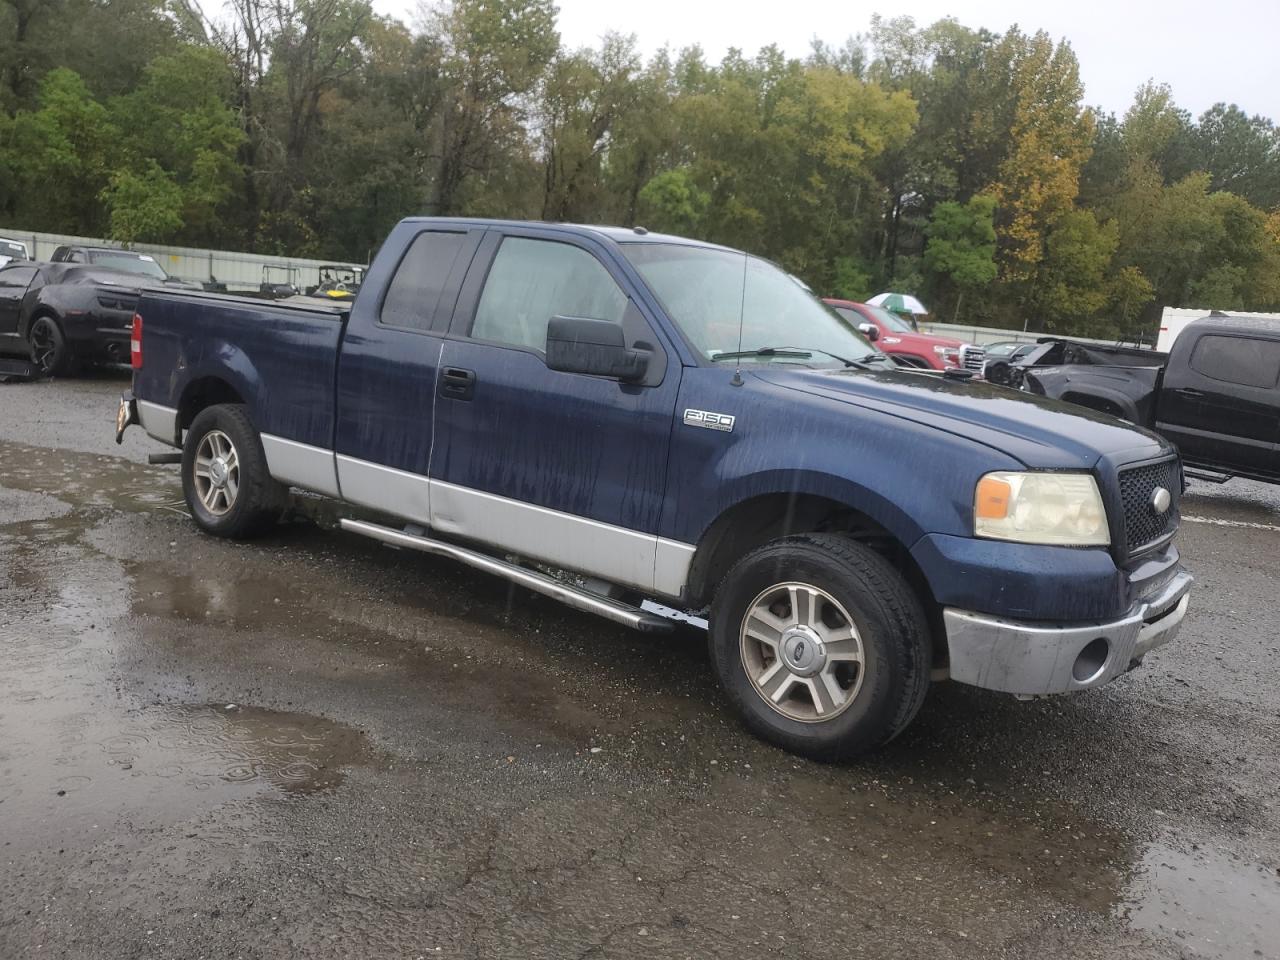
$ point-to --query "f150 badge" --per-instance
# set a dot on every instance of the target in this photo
(709, 420)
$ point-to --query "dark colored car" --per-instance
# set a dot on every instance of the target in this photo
(64, 314)
(113, 258)
(1216, 394)
(1008, 349)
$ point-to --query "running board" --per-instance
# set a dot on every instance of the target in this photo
(622, 613)
(1208, 476)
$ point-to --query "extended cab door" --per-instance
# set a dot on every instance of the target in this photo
(387, 373)
(564, 468)
(1221, 406)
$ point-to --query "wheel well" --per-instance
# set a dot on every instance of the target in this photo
(203, 393)
(1101, 404)
(755, 522)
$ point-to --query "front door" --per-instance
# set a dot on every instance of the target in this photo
(14, 280)
(1223, 406)
(564, 468)
(387, 372)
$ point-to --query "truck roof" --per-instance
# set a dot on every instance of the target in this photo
(1228, 323)
(636, 234)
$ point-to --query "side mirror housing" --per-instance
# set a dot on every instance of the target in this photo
(595, 347)
(870, 331)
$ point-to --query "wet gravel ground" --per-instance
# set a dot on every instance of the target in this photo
(315, 746)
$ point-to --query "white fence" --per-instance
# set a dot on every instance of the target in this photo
(239, 271)
(985, 335)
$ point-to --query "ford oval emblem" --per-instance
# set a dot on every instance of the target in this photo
(1160, 501)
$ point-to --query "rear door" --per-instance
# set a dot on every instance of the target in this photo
(1222, 407)
(387, 371)
(560, 467)
(14, 280)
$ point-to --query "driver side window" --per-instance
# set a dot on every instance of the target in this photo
(532, 281)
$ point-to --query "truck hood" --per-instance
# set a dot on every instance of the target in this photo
(1041, 433)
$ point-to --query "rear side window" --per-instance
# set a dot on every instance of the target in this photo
(532, 281)
(1252, 363)
(416, 295)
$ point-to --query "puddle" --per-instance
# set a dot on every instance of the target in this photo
(67, 774)
(1214, 906)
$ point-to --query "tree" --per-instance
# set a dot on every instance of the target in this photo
(495, 52)
(962, 245)
(1071, 282)
(183, 139)
(1038, 179)
(68, 141)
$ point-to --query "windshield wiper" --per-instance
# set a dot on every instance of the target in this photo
(787, 352)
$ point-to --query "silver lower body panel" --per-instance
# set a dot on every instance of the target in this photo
(1031, 659)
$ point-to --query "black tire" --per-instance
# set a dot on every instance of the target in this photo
(257, 500)
(883, 693)
(52, 355)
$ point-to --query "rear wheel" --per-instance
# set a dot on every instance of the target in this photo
(821, 645)
(224, 475)
(50, 351)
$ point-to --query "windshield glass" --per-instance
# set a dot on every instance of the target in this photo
(10, 249)
(702, 290)
(890, 320)
(129, 263)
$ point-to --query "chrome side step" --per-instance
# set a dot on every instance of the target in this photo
(622, 613)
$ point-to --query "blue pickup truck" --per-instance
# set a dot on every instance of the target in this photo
(655, 429)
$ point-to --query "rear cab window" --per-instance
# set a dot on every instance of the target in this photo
(1248, 361)
(421, 295)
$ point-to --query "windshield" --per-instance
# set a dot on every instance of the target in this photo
(702, 290)
(890, 320)
(129, 263)
(10, 249)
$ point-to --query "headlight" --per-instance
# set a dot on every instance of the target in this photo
(1051, 508)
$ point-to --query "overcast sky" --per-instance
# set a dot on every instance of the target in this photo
(1207, 51)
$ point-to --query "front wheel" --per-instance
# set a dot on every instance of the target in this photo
(224, 475)
(50, 351)
(821, 645)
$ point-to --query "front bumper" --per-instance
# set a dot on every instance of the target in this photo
(1031, 659)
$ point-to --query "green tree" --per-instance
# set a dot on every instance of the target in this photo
(61, 156)
(962, 245)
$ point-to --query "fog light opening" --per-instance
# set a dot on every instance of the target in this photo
(1091, 660)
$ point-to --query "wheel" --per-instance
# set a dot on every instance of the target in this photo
(224, 475)
(821, 645)
(50, 351)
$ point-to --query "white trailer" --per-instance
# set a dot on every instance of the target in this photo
(1174, 319)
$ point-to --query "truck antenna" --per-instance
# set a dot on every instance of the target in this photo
(742, 311)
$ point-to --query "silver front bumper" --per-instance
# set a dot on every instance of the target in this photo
(1030, 659)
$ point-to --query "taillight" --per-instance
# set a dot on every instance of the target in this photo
(135, 343)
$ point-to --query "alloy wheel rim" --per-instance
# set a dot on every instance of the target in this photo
(44, 348)
(802, 652)
(216, 472)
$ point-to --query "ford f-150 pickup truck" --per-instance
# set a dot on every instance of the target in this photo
(1216, 395)
(648, 427)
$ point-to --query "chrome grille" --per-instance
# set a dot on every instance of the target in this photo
(1143, 526)
(972, 358)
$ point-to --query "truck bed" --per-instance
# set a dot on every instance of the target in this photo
(283, 355)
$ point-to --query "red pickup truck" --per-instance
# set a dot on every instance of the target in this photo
(896, 337)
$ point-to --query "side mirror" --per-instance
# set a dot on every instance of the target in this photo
(870, 331)
(596, 347)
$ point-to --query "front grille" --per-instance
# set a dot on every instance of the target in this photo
(972, 358)
(1143, 526)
